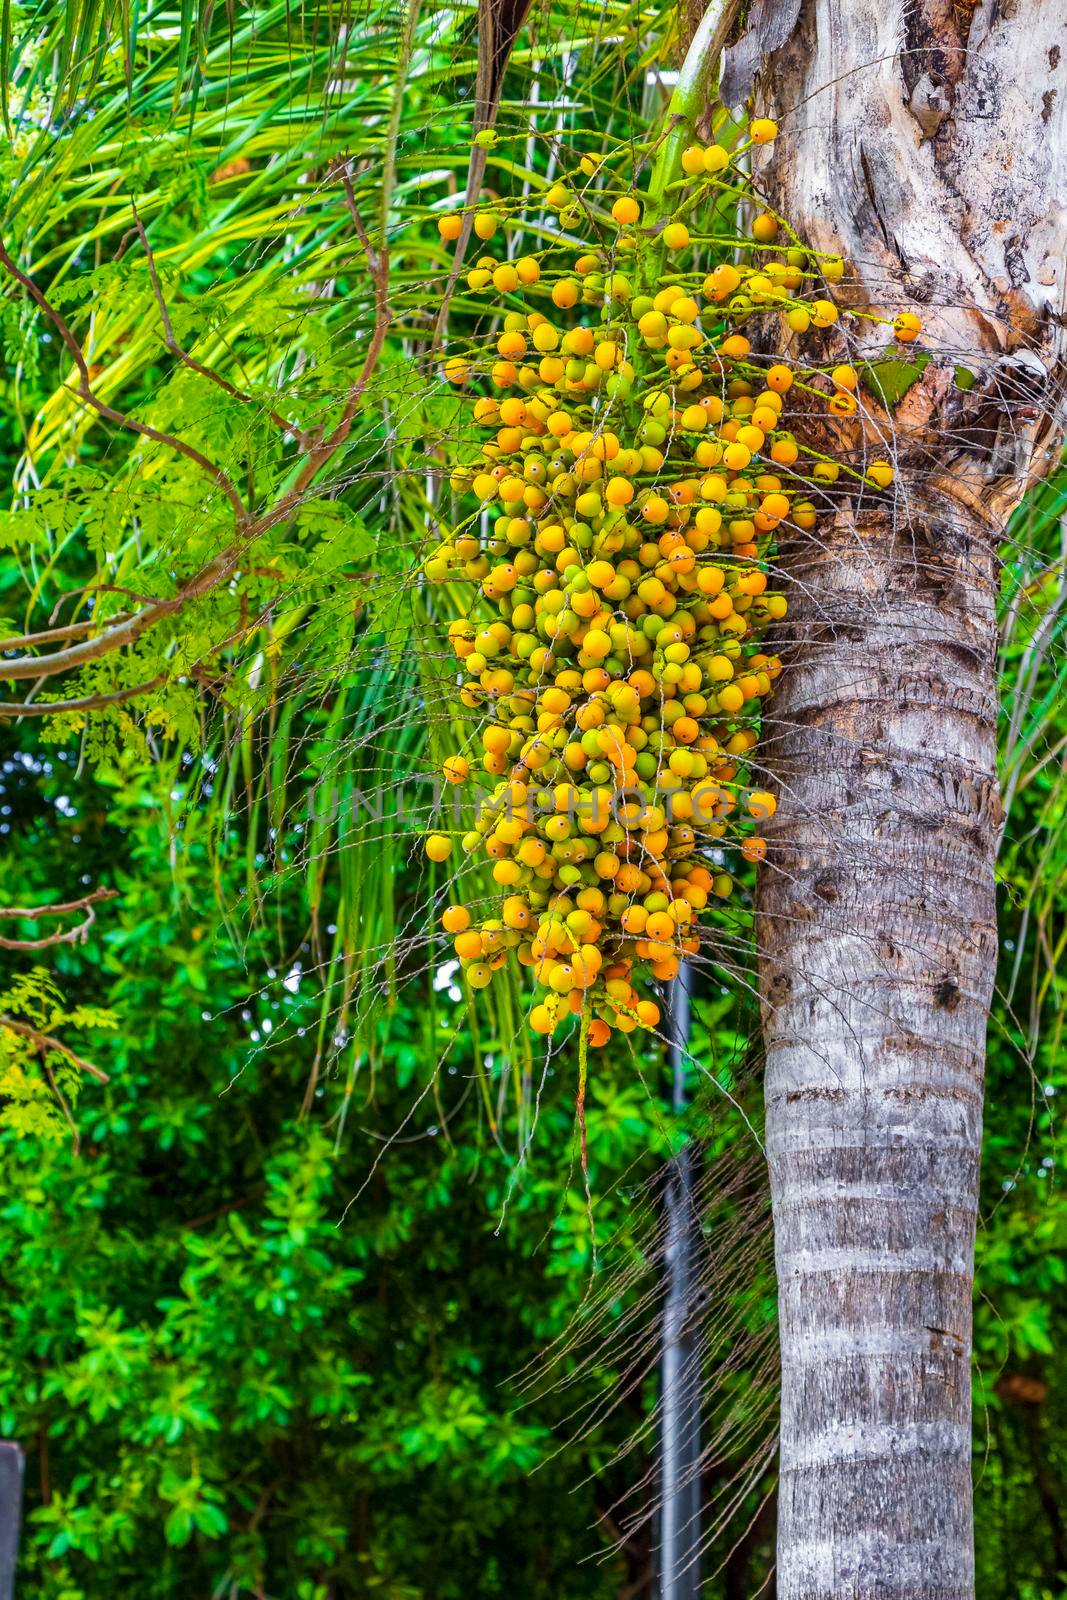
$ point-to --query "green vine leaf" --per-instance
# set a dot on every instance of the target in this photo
(889, 381)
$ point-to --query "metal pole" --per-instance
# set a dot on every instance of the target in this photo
(680, 1362)
(11, 1468)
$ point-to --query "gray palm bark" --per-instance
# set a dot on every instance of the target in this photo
(929, 147)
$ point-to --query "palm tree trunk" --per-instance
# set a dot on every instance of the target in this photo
(935, 161)
(878, 942)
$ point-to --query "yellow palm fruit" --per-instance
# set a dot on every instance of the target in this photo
(626, 211)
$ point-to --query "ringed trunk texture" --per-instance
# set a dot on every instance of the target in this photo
(878, 939)
(930, 151)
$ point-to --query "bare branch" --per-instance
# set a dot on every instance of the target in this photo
(70, 630)
(10, 709)
(76, 935)
(60, 907)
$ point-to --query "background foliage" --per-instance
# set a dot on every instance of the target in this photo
(245, 1356)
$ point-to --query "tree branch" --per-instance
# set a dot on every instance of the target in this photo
(35, 913)
(70, 630)
(45, 1042)
(122, 419)
(221, 566)
(63, 1106)
(60, 907)
(12, 709)
(378, 267)
(190, 361)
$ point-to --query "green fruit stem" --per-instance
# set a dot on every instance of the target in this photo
(697, 82)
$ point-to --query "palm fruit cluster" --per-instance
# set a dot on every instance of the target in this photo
(612, 557)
